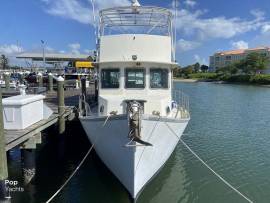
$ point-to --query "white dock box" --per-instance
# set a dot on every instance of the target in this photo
(20, 112)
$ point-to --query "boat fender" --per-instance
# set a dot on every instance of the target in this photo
(174, 105)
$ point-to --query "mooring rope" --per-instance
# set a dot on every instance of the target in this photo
(207, 166)
(78, 167)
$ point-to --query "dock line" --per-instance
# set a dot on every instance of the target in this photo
(216, 174)
(71, 176)
(207, 166)
(78, 167)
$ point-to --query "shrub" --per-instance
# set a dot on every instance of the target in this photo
(205, 76)
(263, 79)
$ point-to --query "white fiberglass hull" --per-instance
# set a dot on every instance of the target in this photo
(134, 166)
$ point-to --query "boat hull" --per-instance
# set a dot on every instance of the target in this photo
(134, 165)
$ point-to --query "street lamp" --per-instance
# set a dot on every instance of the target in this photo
(43, 44)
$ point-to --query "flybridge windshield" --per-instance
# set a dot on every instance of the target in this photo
(136, 20)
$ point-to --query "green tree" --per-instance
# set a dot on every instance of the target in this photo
(4, 61)
(254, 63)
(204, 68)
(188, 70)
(197, 67)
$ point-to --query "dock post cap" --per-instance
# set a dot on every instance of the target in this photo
(60, 79)
(21, 85)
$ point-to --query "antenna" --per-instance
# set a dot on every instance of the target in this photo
(175, 19)
(95, 23)
(135, 3)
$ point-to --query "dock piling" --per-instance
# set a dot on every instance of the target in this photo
(96, 90)
(40, 80)
(7, 80)
(50, 82)
(83, 87)
(3, 156)
(61, 104)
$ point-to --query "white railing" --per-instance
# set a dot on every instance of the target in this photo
(182, 101)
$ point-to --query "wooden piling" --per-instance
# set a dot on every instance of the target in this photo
(7, 80)
(3, 157)
(50, 82)
(96, 90)
(40, 80)
(61, 104)
(83, 87)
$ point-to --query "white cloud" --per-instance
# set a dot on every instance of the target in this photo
(75, 48)
(46, 1)
(190, 3)
(259, 14)
(193, 23)
(265, 29)
(184, 45)
(240, 45)
(49, 49)
(10, 49)
(200, 60)
(78, 11)
(101, 4)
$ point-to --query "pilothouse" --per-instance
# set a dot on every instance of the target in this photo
(139, 119)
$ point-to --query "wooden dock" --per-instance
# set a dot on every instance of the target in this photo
(64, 105)
(14, 138)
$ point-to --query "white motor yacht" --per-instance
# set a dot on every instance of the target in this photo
(139, 119)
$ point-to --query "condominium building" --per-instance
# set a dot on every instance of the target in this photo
(224, 58)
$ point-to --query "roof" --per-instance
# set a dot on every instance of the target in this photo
(242, 51)
(54, 57)
(173, 64)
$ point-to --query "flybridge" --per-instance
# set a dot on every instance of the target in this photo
(136, 20)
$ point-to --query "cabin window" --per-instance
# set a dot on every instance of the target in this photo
(110, 78)
(158, 78)
(135, 78)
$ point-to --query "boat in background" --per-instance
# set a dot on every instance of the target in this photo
(139, 119)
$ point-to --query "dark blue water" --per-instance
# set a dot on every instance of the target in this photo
(229, 129)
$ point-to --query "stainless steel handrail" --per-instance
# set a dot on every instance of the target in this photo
(182, 101)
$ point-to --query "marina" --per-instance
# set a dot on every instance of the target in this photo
(239, 156)
(137, 116)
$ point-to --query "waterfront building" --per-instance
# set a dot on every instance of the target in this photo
(224, 58)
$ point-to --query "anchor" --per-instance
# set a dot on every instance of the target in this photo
(135, 110)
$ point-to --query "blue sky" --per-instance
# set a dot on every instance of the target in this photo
(203, 26)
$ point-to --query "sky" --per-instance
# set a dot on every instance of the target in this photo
(67, 26)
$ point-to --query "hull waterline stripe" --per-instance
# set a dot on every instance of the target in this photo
(207, 166)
